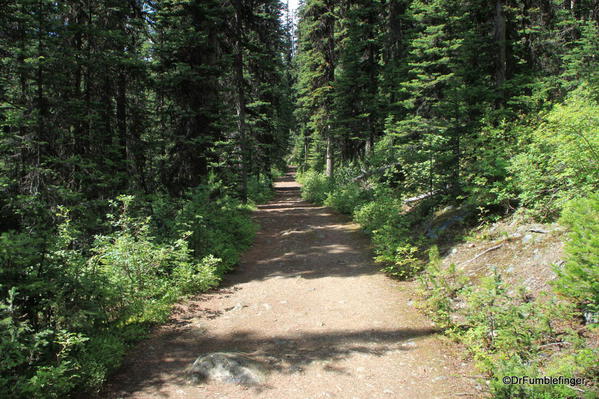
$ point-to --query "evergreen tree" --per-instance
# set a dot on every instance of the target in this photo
(356, 98)
(188, 66)
(316, 76)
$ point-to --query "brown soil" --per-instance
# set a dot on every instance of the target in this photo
(308, 303)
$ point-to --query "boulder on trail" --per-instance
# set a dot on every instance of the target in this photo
(229, 367)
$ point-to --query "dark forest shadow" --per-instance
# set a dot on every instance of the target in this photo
(287, 354)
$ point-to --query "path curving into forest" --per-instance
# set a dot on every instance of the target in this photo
(308, 303)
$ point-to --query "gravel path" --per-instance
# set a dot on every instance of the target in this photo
(308, 303)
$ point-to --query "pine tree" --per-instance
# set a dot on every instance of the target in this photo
(356, 97)
(189, 98)
(317, 62)
(429, 137)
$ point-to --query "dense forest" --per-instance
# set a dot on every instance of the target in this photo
(429, 120)
(135, 136)
(453, 98)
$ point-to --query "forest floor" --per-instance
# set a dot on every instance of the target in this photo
(308, 303)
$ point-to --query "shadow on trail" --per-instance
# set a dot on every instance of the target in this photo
(300, 239)
(286, 354)
(296, 240)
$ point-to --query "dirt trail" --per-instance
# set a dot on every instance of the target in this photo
(308, 302)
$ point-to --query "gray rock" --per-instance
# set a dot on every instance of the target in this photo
(229, 367)
(438, 229)
(591, 317)
(527, 238)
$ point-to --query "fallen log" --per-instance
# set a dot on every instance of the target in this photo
(366, 174)
(420, 197)
(483, 253)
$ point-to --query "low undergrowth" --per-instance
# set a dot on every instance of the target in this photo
(69, 309)
(508, 331)
(510, 334)
(379, 213)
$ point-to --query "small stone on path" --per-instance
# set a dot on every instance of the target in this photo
(229, 367)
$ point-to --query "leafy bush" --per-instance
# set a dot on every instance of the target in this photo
(40, 339)
(441, 286)
(488, 182)
(315, 186)
(381, 216)
(402, 262)
(502, 323)
(375, 214)
(345, 198)
(508, 334)
(141, 272)
(66, 318)
(574, 363)
(561, 162)
(218, 226)
(579, 278)
(395, 245)
(260, 188)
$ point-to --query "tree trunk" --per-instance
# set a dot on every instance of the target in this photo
(329, 159)
(41, 141)
(500, 39)
(368, 146)
(121, 118)
(330, 77)
(240, 105)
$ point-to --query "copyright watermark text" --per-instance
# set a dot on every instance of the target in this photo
(526, 380)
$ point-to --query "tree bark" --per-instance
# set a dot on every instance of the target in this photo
(330, 76)
(500, 39)
(329, 156)
(240, 105)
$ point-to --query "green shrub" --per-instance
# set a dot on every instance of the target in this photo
(315, 186)
(101, 355)
(508, 334)
(260, 188)
(374, 214)
(193, 277)
(488, 182)
(219, 226)
(575, 363)
(382, 217)
(511, 335)
(25, 367)
(394, 240)
(146, 275)
(561, 162)
(402, 263)
(441, 287)
(92, 308)
(345, 198)
(397, 249)
(503, 323)
(579, 277)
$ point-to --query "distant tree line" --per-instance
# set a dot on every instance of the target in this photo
(445, 92)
